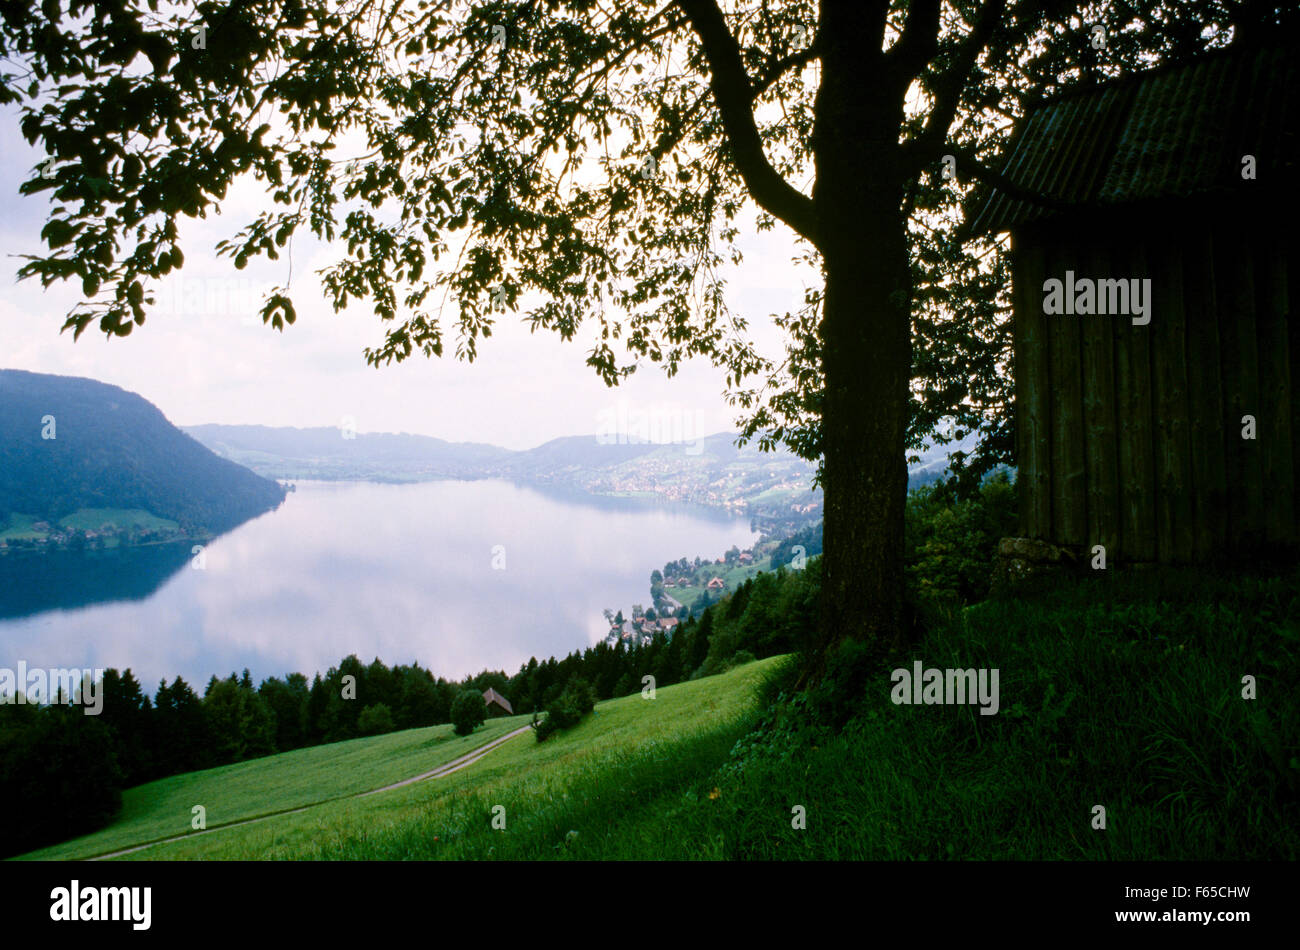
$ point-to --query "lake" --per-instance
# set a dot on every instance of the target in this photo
(460, 576)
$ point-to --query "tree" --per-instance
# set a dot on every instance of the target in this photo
(186, 740)
(600, 159)
(576, 700)
(59, 776)
(242, 723)
(288, 701)
(375, 720)
(700, 641)
(128, 714)
(418, 701)
(468, 711)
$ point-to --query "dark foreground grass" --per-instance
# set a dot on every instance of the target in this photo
(1124, 693)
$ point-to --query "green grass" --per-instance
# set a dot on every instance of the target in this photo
(626, 755)
(274, 783)
(95, 519)
(19, 528)
(1124, 692)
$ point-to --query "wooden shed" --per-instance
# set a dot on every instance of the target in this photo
(1157, 364)
(497, 705)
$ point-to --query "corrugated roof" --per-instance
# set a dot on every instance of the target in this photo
(490, 695)
(1169, 133)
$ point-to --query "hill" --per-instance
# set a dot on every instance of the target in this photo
(79, 455)
(325, 453)
(774, 489)
(535, 781)
(1186, 768)
(297, 779)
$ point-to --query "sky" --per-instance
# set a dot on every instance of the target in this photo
(203, 356)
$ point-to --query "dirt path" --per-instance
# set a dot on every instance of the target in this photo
(455, 765)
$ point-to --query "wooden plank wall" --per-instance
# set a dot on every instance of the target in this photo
(1130, 436)
(1033, 389)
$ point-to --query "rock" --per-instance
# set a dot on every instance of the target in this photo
(1019, 560)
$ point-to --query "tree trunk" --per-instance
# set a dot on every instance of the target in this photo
(865, 333)
(867, 362)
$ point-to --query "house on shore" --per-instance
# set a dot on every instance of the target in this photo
(1156, 353)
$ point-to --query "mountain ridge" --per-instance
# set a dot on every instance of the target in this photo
(70, 443)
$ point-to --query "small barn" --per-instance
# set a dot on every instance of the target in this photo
(497, 705)
(1157, 362)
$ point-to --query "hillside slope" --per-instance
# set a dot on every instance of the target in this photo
(112, 449)
(686, 729)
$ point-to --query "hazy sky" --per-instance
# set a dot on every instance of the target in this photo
(204, 356)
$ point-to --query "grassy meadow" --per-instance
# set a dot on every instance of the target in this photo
(630, 755)
(275, 783)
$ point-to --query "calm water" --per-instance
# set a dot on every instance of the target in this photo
(403, 572)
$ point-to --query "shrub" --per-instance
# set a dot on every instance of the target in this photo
(468, 711)
(375, 720)
(575, 701)
(740, 659)
(950, 543)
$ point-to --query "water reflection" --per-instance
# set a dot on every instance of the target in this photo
(404, 572)
(31, 583)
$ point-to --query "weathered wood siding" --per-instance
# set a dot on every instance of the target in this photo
(1130, 436)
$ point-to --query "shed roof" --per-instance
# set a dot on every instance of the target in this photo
(1172, 132)
(490, 696)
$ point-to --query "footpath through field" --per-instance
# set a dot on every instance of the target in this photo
(455, 765)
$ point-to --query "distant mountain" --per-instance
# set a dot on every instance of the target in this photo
(68, 444)
(774, 488)
(329, 454)
(575, 453)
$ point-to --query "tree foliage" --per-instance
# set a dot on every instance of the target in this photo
(573, 161)
(468, 711)
(597, 162)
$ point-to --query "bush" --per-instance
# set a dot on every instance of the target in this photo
(575, 701)
(740, 659)
(376, 720)
(950, 544)
(849, 673)
(468, 711)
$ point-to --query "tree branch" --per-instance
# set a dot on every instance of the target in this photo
(948, 88)
(734, 95)
(976, 169)
(920, 39)
(781, 66)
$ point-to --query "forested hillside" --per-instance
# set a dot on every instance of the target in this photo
(68, 444)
